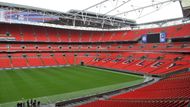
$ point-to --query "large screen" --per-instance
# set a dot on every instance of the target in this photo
(154, 38)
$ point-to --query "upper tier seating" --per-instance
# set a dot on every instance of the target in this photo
(85, 36)
(43, 34)
(28, 33)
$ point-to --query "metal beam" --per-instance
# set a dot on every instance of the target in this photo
(146, 7)
(91, 6)
(95, 5)
(116, 7)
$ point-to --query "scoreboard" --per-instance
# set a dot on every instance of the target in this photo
(154, 38)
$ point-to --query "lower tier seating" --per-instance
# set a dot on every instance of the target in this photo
(137, 62)
(170, 88)
(169, 92)
(145, 63)
(151, 103)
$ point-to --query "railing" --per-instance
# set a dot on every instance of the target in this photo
(100, 95)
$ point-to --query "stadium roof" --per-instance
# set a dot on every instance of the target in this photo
(186, 3)
(186, 8)
(103, 13)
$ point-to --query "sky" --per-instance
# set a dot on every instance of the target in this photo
(166, 11)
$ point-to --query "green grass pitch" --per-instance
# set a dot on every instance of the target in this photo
(39, 82)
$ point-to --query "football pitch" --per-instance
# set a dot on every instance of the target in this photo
(73, 81)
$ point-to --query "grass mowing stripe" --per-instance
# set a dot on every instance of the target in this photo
(39, 82)
(77, 94)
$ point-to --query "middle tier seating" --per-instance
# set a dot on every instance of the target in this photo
(153, 47)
